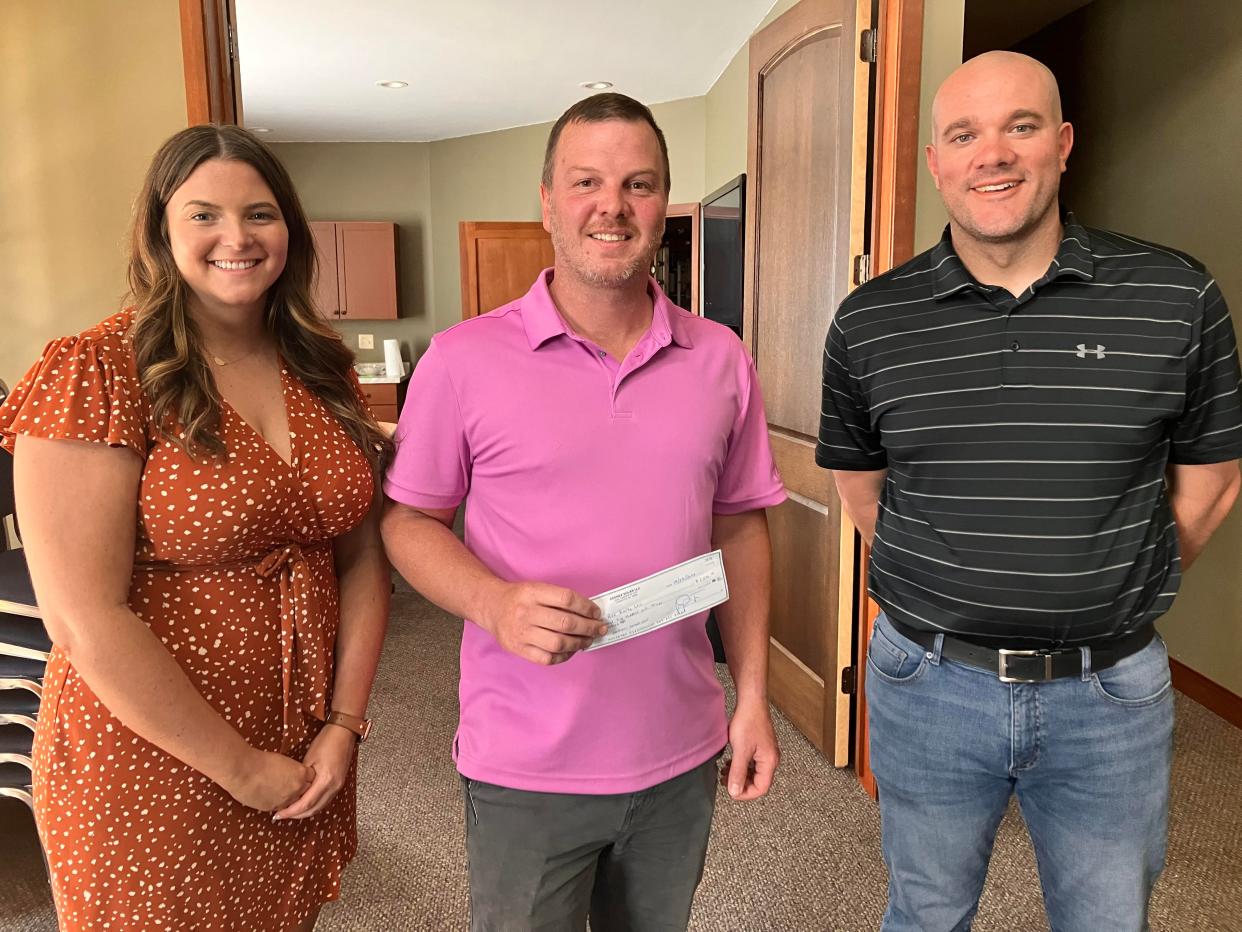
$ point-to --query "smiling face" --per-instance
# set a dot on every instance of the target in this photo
(1000, 147)
(227, 237)
(606, 205)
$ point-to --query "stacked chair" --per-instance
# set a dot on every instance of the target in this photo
(24, 646)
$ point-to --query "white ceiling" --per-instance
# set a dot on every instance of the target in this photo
(309, 70)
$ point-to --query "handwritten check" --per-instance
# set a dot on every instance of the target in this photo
(662, 598)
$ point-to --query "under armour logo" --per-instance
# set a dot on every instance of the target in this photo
(1098, 352)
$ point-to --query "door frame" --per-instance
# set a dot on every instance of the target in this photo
(210, 61)
(895, 167)
(691, 211)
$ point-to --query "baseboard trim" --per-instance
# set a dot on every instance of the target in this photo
(1208, 693)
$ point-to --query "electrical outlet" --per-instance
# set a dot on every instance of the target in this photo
(366, 341)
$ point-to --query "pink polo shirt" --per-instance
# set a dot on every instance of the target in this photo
(587, 473)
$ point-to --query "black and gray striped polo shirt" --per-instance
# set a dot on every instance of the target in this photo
(1026, 439)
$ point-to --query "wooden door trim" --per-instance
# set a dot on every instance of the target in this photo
(468, 248)
(847, 571)
(209, 59)
(1208, 693)
(895, 169)
(896, 141)
(692, 211)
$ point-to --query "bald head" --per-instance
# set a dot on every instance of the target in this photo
(999, 73)
(998, 148)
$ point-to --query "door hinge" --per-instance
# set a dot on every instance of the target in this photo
(862, 269)
(232, 39)
(847, 681)
(868, 45)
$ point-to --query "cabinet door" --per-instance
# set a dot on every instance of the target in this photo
(367, 260)
(324, 291)
(382, 400)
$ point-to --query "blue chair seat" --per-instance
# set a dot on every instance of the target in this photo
(16, 739)
(15, 776)
(16, 591)
(21, 668)
(22, 634)
(18, 702)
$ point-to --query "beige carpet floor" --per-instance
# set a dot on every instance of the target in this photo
(805, 858)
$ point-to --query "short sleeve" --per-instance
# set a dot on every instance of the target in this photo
(82, 388)
(1210, 428)
(749, 479)
(847, 438)
(431, 468)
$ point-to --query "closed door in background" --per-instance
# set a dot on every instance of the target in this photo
(806, 207)
(499, 262)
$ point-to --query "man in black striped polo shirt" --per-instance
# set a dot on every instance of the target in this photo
(1034, 473)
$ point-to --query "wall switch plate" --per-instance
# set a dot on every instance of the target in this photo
(366, 341)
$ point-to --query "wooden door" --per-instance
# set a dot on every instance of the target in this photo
(806, 207)
(325, 291)
(367, 266)
(500, 260)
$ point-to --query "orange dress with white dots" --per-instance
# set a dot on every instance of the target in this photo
(234, 571)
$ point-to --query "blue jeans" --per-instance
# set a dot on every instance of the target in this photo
(1088, 757)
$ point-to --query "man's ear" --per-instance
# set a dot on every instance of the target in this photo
(933, 165)
(1065, 142)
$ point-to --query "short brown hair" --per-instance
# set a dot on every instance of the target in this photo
(599, 108)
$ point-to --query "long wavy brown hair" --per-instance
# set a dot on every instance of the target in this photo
(185, 403)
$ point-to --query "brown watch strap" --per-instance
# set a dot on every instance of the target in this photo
(359, 726)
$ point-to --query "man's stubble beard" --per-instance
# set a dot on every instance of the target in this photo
(1032, 222)
(578, 265)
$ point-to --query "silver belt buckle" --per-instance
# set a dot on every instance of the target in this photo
(1002, 665)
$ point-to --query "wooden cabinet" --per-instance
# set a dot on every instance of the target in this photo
(383, 401)
(357, 270)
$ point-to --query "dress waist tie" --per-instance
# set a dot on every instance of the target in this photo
(304, 659)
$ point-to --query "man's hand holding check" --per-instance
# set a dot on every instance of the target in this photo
(542, 623)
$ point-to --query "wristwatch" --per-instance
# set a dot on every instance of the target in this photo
(359, 726)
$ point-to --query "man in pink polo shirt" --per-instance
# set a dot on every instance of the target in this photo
(597, 434)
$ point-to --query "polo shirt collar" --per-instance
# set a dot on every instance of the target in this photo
(543, 321)
(1073, 260)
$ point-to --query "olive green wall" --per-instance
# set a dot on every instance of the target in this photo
(83, 111)
(942, 52)
(376, 181)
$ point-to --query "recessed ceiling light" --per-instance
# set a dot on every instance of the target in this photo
(596, 85)
(393, 83)
(258, 129)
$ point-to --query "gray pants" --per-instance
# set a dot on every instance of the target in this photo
(540, 862)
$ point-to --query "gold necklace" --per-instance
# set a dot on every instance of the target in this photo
(223, 362)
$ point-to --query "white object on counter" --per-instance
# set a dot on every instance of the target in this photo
(392, 359)
(375, 373)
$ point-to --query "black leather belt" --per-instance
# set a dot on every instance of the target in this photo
(1031, 666)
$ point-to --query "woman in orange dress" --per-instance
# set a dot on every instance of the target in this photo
(196, 484)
